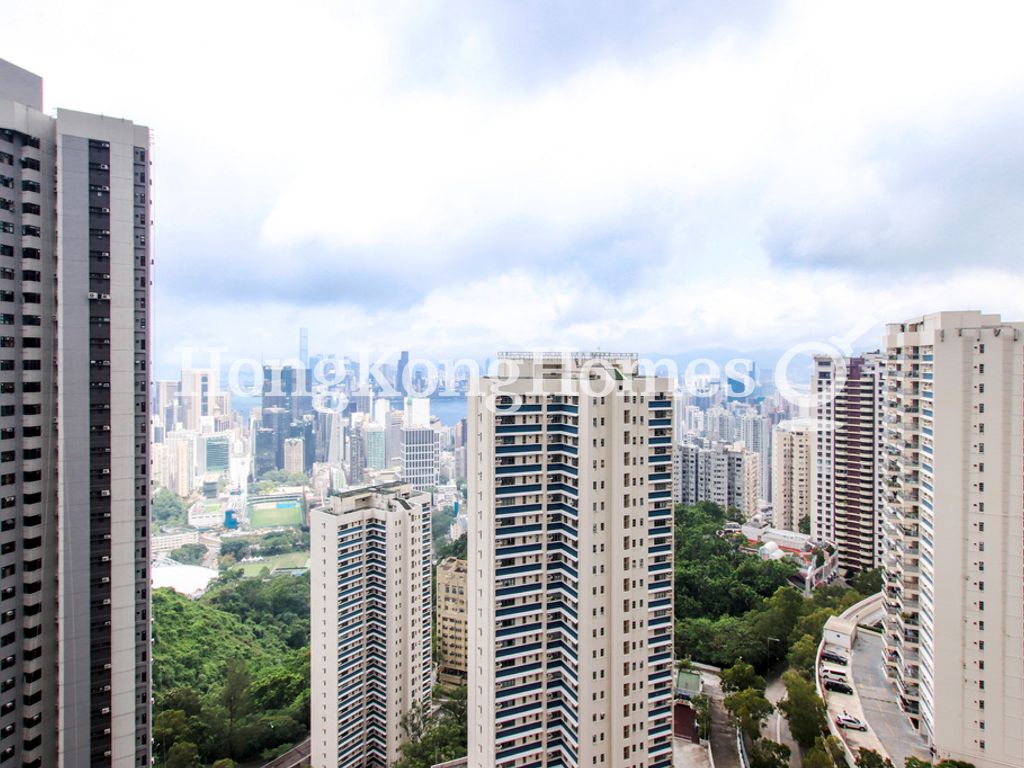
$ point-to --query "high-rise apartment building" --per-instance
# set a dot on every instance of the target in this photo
(848, 461)
(755, 431)
(954, 532)
(727, 475)
(199, 398)
(452, 611)
(420, 457)
(74, 421)
(570, 564)
(374, 435)
(294, 455)
(370, 604)
(793, 479)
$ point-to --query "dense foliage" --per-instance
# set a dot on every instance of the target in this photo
(456, 548)
(441, 520)
(189, 554)
(167, 509)
(231, 670)
(732, 605)
(435, 735)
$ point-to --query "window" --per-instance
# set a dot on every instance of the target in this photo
(27, 185)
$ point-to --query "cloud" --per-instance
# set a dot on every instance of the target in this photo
(471, 175)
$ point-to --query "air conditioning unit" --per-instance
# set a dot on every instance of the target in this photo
(105, 296)
(104, 493)
(93, 295)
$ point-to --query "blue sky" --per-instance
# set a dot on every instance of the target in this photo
(462, 177)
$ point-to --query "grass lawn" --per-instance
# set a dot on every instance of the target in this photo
(289, 560)
(268, 517)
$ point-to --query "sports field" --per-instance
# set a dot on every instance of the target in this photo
(288, 560)
(275, 513)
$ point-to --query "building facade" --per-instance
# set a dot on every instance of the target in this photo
(848, 458)
(954, 532)
(74, 534)
(451, 620)
(725, 474)
(570, 564)
(370, 612)
(792, 477)
(294, 455)
(420, 457)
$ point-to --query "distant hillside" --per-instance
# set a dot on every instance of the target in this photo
(193, 643)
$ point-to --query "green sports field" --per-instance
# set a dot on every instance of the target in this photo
(288, 560)
(270, 515)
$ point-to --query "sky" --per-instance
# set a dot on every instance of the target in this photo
(458, 178)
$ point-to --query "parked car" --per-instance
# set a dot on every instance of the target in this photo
(835, 658)
(837, 686)
(833, 674)
(849, 721)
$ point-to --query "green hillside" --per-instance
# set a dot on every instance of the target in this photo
(194, 642)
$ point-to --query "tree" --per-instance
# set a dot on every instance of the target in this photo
(235, 698)
(805, 525)
(803, 654)
(827, 752)
(868, 582)
(184, 754)
(868, 758)
(740, 676)
(189, 554)
(803, 708)
(169, 727)
(167, 509)
(749, 710)
(769, 754)
(226, 762)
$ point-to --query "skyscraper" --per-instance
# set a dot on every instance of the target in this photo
(570, 564)
(954, 532)
(370, 660)
(74, 559)
(403, 362)
(756, 433)
(199, 398)
(848, 458)
(793, 479)
(420, 457)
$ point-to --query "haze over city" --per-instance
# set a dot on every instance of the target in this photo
(459, 177)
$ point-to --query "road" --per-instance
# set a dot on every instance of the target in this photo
(777, 727)
(879, 702)
(723, 735)
(293, 758)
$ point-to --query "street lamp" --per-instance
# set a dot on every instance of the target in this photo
(770, 641)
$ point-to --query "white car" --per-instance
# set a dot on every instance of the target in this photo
(844, 720)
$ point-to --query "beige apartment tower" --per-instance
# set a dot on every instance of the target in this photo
(792, 478)
(570, 564)
(954, 532)
(848, 458)
(370, 658)
(451, 620)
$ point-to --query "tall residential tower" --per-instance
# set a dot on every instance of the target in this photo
(954, 533)
(74, 431)
(370, 659)
(570, 564)
(848, 458)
